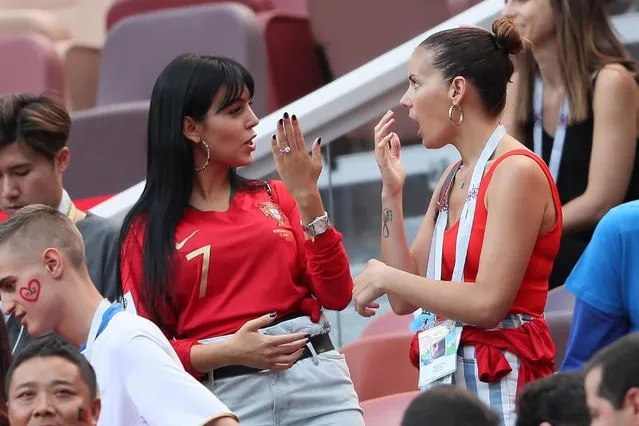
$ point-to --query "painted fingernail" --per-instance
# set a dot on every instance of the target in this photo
(319, 141)
(272, 314)
(293, 117)
(280, 122)
(274, 138)
(286, 115)
(308, 336)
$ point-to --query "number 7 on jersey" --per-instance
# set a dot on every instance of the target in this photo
(206, 258)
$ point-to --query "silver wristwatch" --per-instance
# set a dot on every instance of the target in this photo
(318, 226)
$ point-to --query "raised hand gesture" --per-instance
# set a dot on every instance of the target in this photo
(298, 170)
(387, 154)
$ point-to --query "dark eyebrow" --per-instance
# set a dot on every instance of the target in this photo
(26, 385)
(56, 382)
(20, 166)
(234, 102)
(241, 99)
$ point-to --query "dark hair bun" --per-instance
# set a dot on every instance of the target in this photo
(507, 37)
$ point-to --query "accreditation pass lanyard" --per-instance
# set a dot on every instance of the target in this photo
(466, 219)
(560, 132)
(440, 338)
(101, 319)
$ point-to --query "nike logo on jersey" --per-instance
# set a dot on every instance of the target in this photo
(181, 244)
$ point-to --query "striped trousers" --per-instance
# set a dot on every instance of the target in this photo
(499, 396)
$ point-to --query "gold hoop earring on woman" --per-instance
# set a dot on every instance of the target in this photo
(208, 156)
(450, 115)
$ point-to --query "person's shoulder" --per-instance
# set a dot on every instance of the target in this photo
(614, 81)
(615, 75)
(516, 170)
(126, 326)
(118, 343)
(99, 225)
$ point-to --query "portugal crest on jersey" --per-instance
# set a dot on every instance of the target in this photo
(272, 210)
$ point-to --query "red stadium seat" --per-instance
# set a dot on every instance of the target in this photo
(29, 63)
(388, 322)
(387, 353)
(387, 410)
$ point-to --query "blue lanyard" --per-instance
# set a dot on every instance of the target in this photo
(106, 318)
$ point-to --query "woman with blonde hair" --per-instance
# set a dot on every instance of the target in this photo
(480, 263)
(575, 102)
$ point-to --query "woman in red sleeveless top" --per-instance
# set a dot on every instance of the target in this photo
(480, 263)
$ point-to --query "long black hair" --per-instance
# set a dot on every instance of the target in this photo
(185, 88)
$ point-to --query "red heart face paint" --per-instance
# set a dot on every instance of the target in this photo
(30, 292)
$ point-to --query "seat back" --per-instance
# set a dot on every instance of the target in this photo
(559, 325)
(122, 9)
(559, 299)
(294, 67)
(388, 322)
(349, 42)
(387, 353)
(29, 63)
(387, 410)
(108, 149)
(140, 47)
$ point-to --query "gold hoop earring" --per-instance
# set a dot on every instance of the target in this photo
(208, 156)
(450, 115)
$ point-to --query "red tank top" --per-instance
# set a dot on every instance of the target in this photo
(531, 297)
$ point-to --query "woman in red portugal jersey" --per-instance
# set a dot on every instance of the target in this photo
(234, 271)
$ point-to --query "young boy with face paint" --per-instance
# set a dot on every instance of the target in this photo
(45, 284)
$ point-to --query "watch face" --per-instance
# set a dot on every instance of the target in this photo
(318, 226)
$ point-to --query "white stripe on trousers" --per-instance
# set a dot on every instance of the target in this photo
(499, 396)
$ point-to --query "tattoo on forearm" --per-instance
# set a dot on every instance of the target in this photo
(387, 217)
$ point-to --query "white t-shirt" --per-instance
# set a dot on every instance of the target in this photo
(142, 381)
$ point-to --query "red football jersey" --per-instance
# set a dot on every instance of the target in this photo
(237, 265)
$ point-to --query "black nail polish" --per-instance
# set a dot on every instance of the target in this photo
(281, 122)
(319, 141)
(272, 314)
(286, 115)
(274, 138)
(293, 117)
(308, 336)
